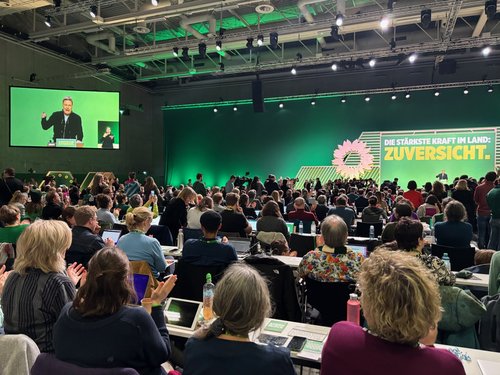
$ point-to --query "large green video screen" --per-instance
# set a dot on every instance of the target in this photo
(423, 156)
(64, 118)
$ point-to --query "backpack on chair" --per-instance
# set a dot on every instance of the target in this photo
(489, 325)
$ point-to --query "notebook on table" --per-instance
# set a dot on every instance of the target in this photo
(182, 313)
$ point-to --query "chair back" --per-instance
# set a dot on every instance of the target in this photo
(460, 257)
(48, 364)
(363, 229)
(141, 267)
(17, 354)
(191, 278)
(330, 299)
(302, 244)
(192, 234)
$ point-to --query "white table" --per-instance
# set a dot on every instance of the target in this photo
(472, 367)
(477, 280)
(290, 261)
(171, 250)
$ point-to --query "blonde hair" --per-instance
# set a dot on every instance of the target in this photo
(43, 245)
(84, 214)
(137, 217)
(399, 296)
(17, 196)
(187, 194)
(462, 185)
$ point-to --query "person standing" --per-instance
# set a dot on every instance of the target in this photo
(199, 186)
(107, 138)
(483, 210)
(66, 123)
(8, 185)
(229, 184)
(493, 200)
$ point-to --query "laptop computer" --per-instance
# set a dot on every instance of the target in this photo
(182, 313)
(253, 224)
(362, 249)
(114, 234)
(290, 226)
(242, 246)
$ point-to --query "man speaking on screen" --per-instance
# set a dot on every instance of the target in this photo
(66, 123)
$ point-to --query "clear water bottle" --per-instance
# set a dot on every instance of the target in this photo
(208, 299)
(372, 232)
(353, 309)
(301, 227)
(180, 239)
(431, 226)
(313, 227)
(446, 260)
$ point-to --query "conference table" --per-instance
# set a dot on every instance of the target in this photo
(310, 356)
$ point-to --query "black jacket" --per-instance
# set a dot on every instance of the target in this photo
(8, 186)
(83, 246)
(72, 129)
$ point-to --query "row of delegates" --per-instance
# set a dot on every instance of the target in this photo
(334, 261)
(101, 328)
(40, 285)
(241, 303)
(137, 245)
(401, 305)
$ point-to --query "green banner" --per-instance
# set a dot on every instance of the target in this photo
(438, 155)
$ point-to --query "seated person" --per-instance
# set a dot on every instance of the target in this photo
(121, 204)
(439, 217)
(248, 210)
(401, 210)
(454, 231)
(373, 213)
(194, 213)
(332, 262)
(209, 250)
(218, 200)
(40, 285)
(53, 207)
(137, 245)
(272, 221)
(281, 248)
(429, 208)
(104, 215)
(68, 216)
(10, 216)
(241, 304)
(136, 201)
(233, 219)
(300, 213)
(100, 328)
(291, 206)
(401, 305)
(346, 213)
(85, 242)
(321, 209)
(409, 238)
(494, 279)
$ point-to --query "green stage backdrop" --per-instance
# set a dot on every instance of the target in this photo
(423, 155)
(280, 141)
(27, 105)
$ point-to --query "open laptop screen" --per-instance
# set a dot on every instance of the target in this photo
(359, 249)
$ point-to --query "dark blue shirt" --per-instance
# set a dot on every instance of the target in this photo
(453, 233)
(217, 356)
(208, 252)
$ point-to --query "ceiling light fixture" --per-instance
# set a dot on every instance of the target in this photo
(334, 32)
(466, 90)
(48, 21)
(339, 19)
(412, 58)
(218, 45)
(93, 11)
(175, 51)
(490, 88)
(394, 96)
(281, 105)
(216, 110)
(407, 95)
(202, 49)
(293, 71)
(372, 62)
(273, 40)
(436, 92)
(392, 44)
(367, 98)
(57, 3)
(385, 23)
(235, 109)
(343, 99)
(155, 2)
(334, 67)
(486, 51)
(490, 8)
(249, 44)
(313, 102)
(185, 53)
(260, 40)
(425, 18)
(222, 67)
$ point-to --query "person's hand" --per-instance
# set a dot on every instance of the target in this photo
(109, 242)
(116, 212)
(76, 272)
(163, 290)
(3, 278)
(112, 137)
(97, 229)
(44, 115)
(225, 240)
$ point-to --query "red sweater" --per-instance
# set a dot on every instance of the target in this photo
(414, 197)
(480, 198)
(350, 350)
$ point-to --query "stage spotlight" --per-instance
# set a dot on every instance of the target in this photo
(367, 98)
(390, 4)
(185, 53)
(249, 43)
(392, 44)
(221, 67)
(48, 21)
(202, 49)
(216, 110)
(313, 102)
(273, 40)
(490, 8)
(412, 58)
(155, 2)
(57, 3)
(436, 92)
(490, 88)
(334, 32)
(343, 99)
(281, 105)
(175, 51)
(221, 32)
(260, 40)
(218, 45)
(393, 96)
(385, 23)
(466, 91)
(486, 51)
(235, 109)
(93, 11)
(334, 67)
(372, 62)
(32, 77)
(293, 71)
(407, 95)
(339, 19)
(425, 18)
